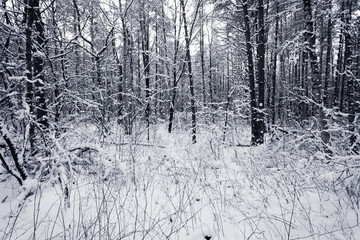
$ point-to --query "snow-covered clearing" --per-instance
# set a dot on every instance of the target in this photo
(127, 188)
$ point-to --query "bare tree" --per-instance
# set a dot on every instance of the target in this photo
(145, 39)
(189, 65)
(310, 39)
(35, 40)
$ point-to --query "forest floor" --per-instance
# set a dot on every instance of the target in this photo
(121, 187)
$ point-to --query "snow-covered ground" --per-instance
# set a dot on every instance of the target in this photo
(124, 187)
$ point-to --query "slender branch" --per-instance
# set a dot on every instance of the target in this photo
(8, 169)
(13, 152)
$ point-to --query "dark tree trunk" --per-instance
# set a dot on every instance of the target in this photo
(261, 74)
(38, 59)
(328, 58)
(165, 62)
(174, 73)
(35, 96)
(310, 39)
(228, 97)
(157, 91)
(202, 53)
(249, 53)
(273, 97)
(210, 74)
(120, 77)
(339, 65)
(29, 18)
(350, 76)
(124, 108)
(173, 91)
(144, 25)
(55, 69)
(191, 80)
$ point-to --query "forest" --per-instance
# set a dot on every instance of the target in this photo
(180, 119)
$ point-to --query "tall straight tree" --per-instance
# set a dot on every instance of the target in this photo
(251, 72)
(126, 68)
(310, 40)
(273, 96)
(35, 42)
(350, 76)
(261, 74)
(328, 56)
(189, 65)
(256, 106)
(176, 75)
(202, 52)
(144, 26)
(337, 100)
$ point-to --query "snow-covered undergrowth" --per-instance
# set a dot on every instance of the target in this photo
(113, 186)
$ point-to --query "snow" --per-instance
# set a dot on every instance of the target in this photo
(17, 78)
(168, 188)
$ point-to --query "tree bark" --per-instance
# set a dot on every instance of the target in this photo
(35, 96)
(339, 66)
(175, 77)
(310, 39)
(328, 58)
(261, 75)
(228, 93)
(350, 76)
(191, 80)
(126, 119)
(120, 77)
(202, 53)
(273, 97)
(38, 61)
(144, 25)
(249, 53)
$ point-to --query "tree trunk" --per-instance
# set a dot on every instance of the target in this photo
(125, 68)
(191, 81)
(249, 53)
(211, 91)
(328, 58)
(228, 97)
(310, 39)
(202, 53)
(273, 117)
(210, 74)
(29, 18)
(157, 90)
(34, 65)
(261, 74)
(350, 76)
(339, 65)
(174, 71)
(38, 59)
(144, 26)
(165, 62)
(120, 77)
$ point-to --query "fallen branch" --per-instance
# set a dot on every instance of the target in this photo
(139, 144)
